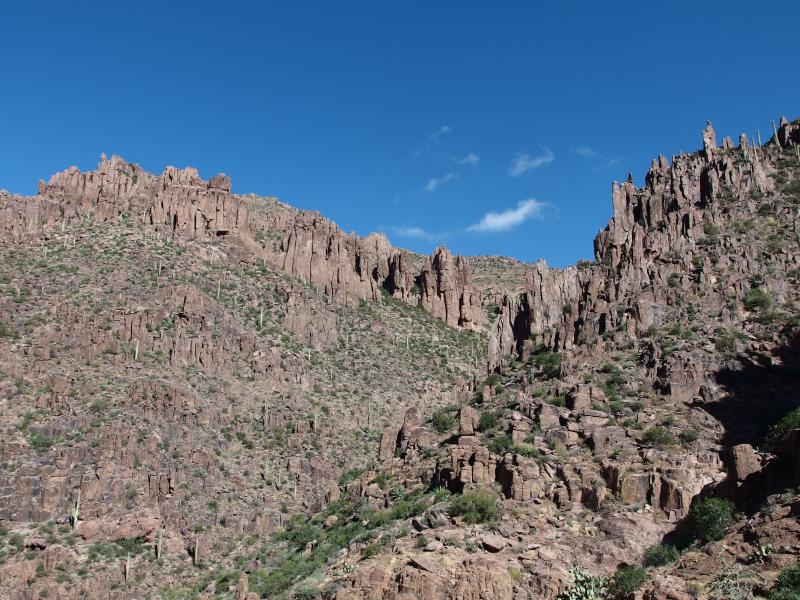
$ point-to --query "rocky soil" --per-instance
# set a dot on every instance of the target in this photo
(214, 395)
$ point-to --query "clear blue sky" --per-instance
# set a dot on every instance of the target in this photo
(414, 118)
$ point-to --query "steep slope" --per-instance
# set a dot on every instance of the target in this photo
(214, 395)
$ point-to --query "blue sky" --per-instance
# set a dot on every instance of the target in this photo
(496, 128)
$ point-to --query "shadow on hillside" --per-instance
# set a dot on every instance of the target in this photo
(760, 390)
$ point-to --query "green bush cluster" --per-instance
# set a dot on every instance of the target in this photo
(476, 506)
(444, 421)
(657, 436)
(756, 299)
(624, 582)
(709, 519)
(787, 586)
(658, 556)
(779, 433)
(488, 420)
(549, 363)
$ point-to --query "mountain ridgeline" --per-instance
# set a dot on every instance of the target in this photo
(214, 395)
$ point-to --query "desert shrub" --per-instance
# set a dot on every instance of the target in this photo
(349, 475)
(624, 582)
(549, 363)
(476, 506)
(557, 400)
(787, 586)
(674, 280)
(779, 433)
(658, 556)
(756, 298)
(709, 519)
(688, 436)
(657, 436)
(583, 587)
(443, 421)
(6, 331)
(488, 420)
(500, 444)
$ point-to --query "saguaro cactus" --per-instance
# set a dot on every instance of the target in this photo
(159, 543)
(76, 510)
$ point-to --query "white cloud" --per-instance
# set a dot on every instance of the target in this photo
(505, 220)
(411, 232)
(585, 152)
(437, 181)
(439, 134)
(524, 162)
(471, 159)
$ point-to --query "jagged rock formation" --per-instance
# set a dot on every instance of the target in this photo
(210, 386)
(656, 231)
(303, 244)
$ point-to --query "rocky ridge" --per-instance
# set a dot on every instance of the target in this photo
(617, 395)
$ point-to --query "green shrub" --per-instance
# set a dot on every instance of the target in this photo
(476, 506)
(658, 556)
(500, 444)
(443, 421)
(756, 298)
(688, 436)
(349, 475)
(549, 363)
(779, 433)
(657, 436)
(488, 420)
(624, 582)
(709, 519)
(674, 280)
(787, 586)
(6, 332)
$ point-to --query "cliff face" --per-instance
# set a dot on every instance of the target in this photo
(662, 229)
(303, 244)
(217, 392)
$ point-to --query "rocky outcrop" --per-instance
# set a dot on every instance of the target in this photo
(658, 231)
(179, 204)
(446, 291)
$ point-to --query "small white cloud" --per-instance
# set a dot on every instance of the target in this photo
(505, 220)
(411, 232)
(524, 162)
(470, 159)
(434, 183)
(585, 152)
(439, 134)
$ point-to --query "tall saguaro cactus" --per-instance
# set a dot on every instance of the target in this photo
(76, 510)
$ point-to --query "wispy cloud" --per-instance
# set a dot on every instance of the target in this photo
(439, 134)
(584, 151)
(524, 162)
(601, 161)
(511, 217)
(432, 140)
(434, 183)
(470, 159)
(411, 232)
(418, 233)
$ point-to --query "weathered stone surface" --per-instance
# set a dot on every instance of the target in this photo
(742, 462)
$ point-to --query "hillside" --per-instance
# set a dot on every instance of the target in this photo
(213, 395)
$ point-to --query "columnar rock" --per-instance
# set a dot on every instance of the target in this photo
(446, 291)
(655, 231)
(181, 205)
